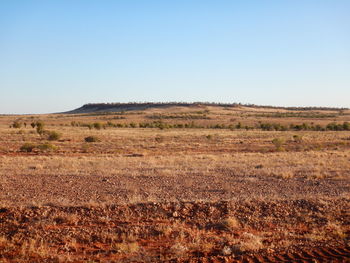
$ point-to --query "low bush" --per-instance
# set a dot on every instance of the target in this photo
(297, 138)
(40, 127)
(92, 139)
(133, 125)
(278, 142)
(17, 125)
(209, 136)
(97, 125)
(27, 147)
(47, 147)
(54, 136)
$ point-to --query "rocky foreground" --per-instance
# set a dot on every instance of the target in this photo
(253, 231)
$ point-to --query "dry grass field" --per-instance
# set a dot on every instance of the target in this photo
(199, 183)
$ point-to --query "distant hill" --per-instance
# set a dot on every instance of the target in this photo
(135, 106)
(118, 107)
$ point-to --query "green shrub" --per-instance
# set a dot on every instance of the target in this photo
(54, 136)
(27, 147)
(92, 139)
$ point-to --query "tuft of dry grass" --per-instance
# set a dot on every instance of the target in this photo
(231, 223)
(250, 242)
(127, 247)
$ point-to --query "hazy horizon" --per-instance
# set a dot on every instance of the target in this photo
(173, 102)
(56, 56)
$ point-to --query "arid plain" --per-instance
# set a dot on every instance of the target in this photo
(176, 183)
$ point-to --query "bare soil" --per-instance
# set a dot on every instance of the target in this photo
(176, 195)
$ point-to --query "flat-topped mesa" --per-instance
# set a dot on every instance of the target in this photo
(131, 106)
(134, 106)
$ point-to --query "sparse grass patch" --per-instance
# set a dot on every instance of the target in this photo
(127, 247)
(336, 230)
(97, 125)
(47, 147)
(54, 136)
(231, 223)
(278, 142)
(85, 148)
(159, 139)
(29, 147)
(287, 174)
(178, 249)
(297, 138)
(250, 242)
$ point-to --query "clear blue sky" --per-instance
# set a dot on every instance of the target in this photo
(58, 55)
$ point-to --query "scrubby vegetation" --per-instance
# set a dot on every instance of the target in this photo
(16, 124)
(92, 139)
(199, 116)
(53, 135)
(27, 147)
(310, 115)
(232, 187)
(345, 126)
(39, 127)
(278, 142)
(306, 127)
(47, 147)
